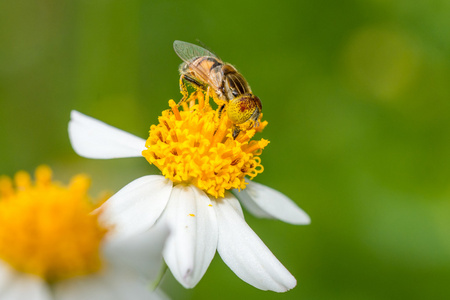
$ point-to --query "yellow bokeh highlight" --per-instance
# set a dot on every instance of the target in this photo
(381, 62)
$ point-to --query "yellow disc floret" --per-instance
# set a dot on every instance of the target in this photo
(195, 145)
(46, 228)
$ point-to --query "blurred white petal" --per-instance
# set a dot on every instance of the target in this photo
(265, 202)
(244, 252)
(137, 206)
(250, 205)
(92, 138)
(19, 286)
(108, 285)
(7, 276)
(159, 294)
(140, 252)
(193, 240)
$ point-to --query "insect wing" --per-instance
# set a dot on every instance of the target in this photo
(187, 51)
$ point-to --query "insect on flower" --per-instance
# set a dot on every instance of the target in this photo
(207, 159)
(205, 71)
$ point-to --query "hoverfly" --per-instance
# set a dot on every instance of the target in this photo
(204, 70)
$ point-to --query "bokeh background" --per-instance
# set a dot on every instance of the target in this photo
(357, 98)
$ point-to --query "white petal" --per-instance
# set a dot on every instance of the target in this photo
(18, 286)
(244, 252)
(265, 202)
(7, 275)
(193, 240)
(137, 206)
(141, 253)
(159, 294)
(236, 206)
(250, 205)
(108, 285)
(92, 138)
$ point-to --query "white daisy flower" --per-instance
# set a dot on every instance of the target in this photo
(53, 248)
(200, 163)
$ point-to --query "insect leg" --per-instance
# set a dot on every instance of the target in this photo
(221, 110)
(235, 131)
(193, 81)
(183, 88)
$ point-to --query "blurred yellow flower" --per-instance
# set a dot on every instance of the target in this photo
(49, 239)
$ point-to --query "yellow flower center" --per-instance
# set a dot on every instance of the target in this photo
(195, 145)
(46, 228)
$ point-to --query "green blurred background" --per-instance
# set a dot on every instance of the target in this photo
(357, 98)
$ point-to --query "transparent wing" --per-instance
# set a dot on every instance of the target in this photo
(187, 51)
(201, 69)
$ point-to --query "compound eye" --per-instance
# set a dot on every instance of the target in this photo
(241, 109)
